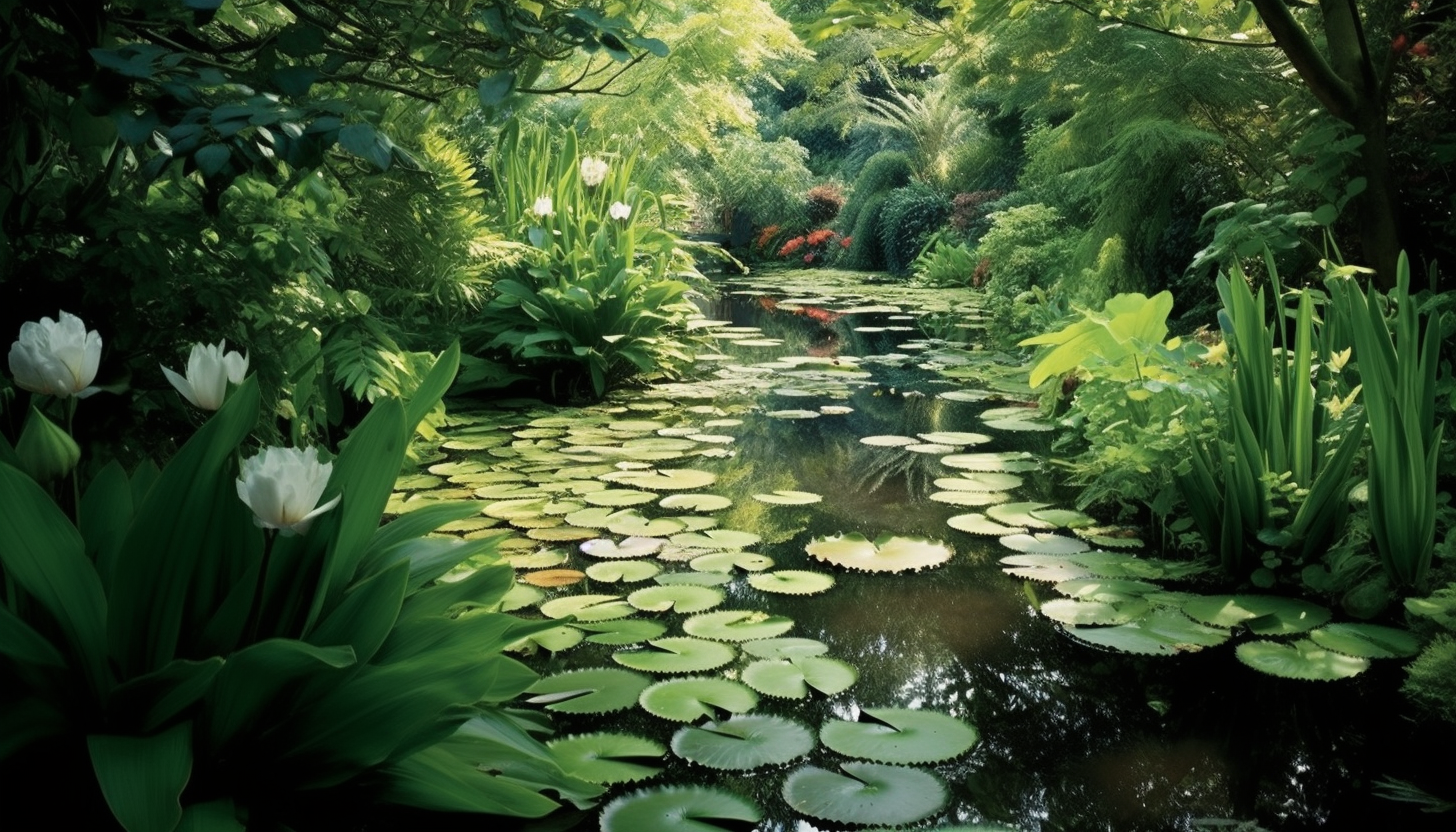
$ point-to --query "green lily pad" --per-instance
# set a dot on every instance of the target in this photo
(607, 758)
(793, 414)
(679, 809)
(973, 481)
(618, 497)
(1002, 462)
(865, 793)
(1015, 419)
(683, 598)
(632, 524)
(519, 597)
(737, 625)
(1303, 659)
(561, 534)
(1097, 589)
(789, 498)
(887, 441)
(538, 560)
(596, 517)
(672, 479)
(965, 395)
(694, 578)
(553, 640)
(716, 539)
(1063, 518)
(887, 554)
(1042, 543)
(622, 631)
(792, 678)
(677, 654)
(728, 561)
(1104, 610)
(695, 522)
(689, 699)
(587, 607)
(1110, 537)
(954, 438)
(636, 426)
(1019, 514)
(784, 648)
(625, 571)
(743, 743)
(632, 547)
(970, 498)
(1265, 615)
(1367, 641)
(695, 502)
(791, 582)
(1162, 632)
(980, 524)
(900, 736)
(597, 690)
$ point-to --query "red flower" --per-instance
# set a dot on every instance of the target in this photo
(809, 258)
(767, 235)
(820, 237)
(791, 246)
(1421, 49)
(844, 243)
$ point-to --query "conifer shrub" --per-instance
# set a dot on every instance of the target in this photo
(864, 252)
(909, 216)
(884, 172)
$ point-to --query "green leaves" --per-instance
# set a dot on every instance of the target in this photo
(143, 777)
(1116, 342)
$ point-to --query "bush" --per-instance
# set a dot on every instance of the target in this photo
(884, 172)
(908, 218)
(970, 211)
(763, 180)
(864, 252)
(945, 264)
(1027, 246)
(824, 203)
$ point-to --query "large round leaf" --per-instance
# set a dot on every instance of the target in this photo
(679, 654)
(607, 758)
(684, 598)
(1301, 660)
(728, 561)
(899, 736)
(626, 571)
(977, 523)
(1265, 615)
(791, 582)
(716, 539)
(1044, 543)
(632, 547)
(737, 625)
(865, 793)
(1105, 610)
(1163, 632)
(1370, 641)
(587, 607)
(1003, 462)
(887, 554)
(672, 479)
(618, 497)
(743, 742)
(973, 481)
(792, 678)
(789, 498)
(632, 524)
(685, 700)
(598, 690)
(679, 809)
(970, 498)
(695, 502)
(784, 648)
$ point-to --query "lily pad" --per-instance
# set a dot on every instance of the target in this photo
(561, 534)
(791, 582)
(672, 479)
(683, 598)
(886, 554)
(1369, 641)
(632, 524)
(865, 793)
(888, 441)
(737, 625)
(900, 736)
(1104, 610)
(695, 502)
(1303, 659)
(728, 561)
(548, 578)
(1043, 543)
(587, 607)
(686, 700)
(625, 571)
(1163, 632)
(596, 690)
(622, 631)
(983, 481)
(607, 758)
(954, 438)
(1265, 615)
(792, 678)
(784, 648)
(793, 414)
(553, 640)
(1002, 462)
(970, 498)
(716, 539)
(679, 809)
(632, 547)
(677, 654)
(789, 498)
(977, 523)
(694, 578)
(1019, 514)
(1015, 419)
(743, 743)
(618, 497)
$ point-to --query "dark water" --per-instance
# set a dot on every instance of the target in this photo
(1072, 738)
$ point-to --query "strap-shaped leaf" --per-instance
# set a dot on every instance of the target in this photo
(142, 778)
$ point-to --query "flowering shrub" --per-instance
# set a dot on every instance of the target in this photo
(823, 203)
(814, 247)
(766, 237)
(792, 246)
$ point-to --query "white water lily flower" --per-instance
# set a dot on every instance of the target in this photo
(593, 171)
(542, 206)
(209, 370)
(619, 210)
(56, 358)
(282, 487)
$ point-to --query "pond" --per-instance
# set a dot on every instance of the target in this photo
(830, 409)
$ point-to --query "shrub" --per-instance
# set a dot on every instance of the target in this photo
(883, 172)
(746, 175)
(824, 203)
(944, 263)
(969, 211)
(1027, 246)
(864, 252)
(910, 215)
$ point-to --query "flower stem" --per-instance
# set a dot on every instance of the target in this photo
(255, 611)
(76, 470)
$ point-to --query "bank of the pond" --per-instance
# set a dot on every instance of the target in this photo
(832, 408)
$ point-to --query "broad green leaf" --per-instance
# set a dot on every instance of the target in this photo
(679, 809)
(683, 598)
(791, 582)
(686, 700)
(142, 778)
(677, 654)
(899, 736)
(1265, 615)
(792, 678)
(1369, 641)
(865, 793)
(1302, 659)
(887, 554)
(737, 625)
(590, 691)
(743, 743)
(606, 757)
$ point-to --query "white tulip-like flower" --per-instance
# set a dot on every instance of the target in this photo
(542, 206)
(619, 210)
(209, 370)
(56, 358)
(282, 486)
(593, 171)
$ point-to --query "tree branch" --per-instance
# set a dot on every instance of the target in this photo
(1331, 90)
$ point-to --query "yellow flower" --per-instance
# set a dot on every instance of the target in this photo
(1339, 359)
(1336, 405)
(1217, 354)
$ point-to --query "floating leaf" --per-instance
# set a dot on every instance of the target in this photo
(618, 497)
(632, 524)
(597, 690)
(679, 809)
(548, 578)
(1163, 632)
(606, 757)
(596, 517)
(1097, 589)
(695, 502)
(673, 479)
(887, 441)
(626, 571)
(1042, 543)
(679, 654)
(1303, 659)
(865, 793)
(899, 736)
(784, 648)
(984, 481)
(887, 554)
(695, 578)
(716, 539)
(1005, 461)
(737, 625)
(1015, 419)
(792, 678)
(970, 498)
(793, 414)
(1063, 518)
(743, 743)
(1110, 537)
(1104, 610)
(954, 438)
(553, 640)
(1368, 641)
(791, 582)
(977, 523)
(1019, 514)
(789, 498)
(686, 700)
(728, 561)
(622, 631)
(684, 598)
(587, 607)
(1265, 615)
(561, 534)
(632, 547)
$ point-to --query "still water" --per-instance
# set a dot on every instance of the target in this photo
(1071, 737)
